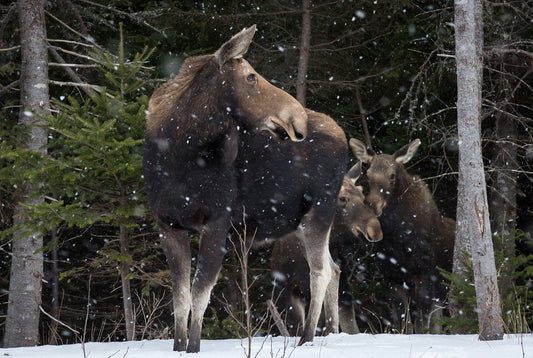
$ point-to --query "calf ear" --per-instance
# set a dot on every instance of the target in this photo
(360, 151)
(404, 154)
(355, 172)
(235, 47)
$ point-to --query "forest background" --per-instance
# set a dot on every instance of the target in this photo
(389, 62)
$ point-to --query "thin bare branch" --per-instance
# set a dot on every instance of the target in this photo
(132, 16)
(76, 84)
(56, 320)
(10, 13)
(85, 37)
(73, 75)
(72, 53)
(77, 65)
(71, 42)
(10, 48)
(362, 114)
(9, 87)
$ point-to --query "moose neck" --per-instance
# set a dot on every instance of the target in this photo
(411, 197)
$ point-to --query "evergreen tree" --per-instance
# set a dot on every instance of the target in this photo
(93, 172)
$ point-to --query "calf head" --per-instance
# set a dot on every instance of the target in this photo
(352, 213)
(252, 99)
(384, 173)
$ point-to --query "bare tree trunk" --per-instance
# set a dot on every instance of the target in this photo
(25, 284)
(303, 63)
(473, 223)
(129, 314)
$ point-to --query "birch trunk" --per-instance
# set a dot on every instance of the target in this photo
(25, 284)
(473, 223)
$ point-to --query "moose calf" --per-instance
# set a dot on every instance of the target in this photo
(291, 272)
(419, 239)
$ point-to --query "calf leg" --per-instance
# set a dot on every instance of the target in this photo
(211, 253)
(347, 320)
(177, 250)
(295, 314)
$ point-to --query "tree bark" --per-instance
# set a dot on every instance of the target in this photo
(473, 223)
(303, 63)
(25, 285)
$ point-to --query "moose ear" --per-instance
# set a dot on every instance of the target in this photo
(360, 152)
(355, 172)
(404, 154)
(235, 47)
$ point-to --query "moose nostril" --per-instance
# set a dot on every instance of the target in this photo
(375, 233)
(299, 136)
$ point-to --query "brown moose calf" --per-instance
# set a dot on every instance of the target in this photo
(418, 238)
(291, 272)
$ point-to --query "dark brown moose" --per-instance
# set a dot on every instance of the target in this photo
(290, 271)
(419, 239)
(225, 150)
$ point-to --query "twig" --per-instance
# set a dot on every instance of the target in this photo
(77, 43)
(10, 13)
(277, 318)
(73, 75)
(73, 53)
(56, 320)
(9, 48)
(363, 118)
(9, 87)
(87, 38)
(131, 16)
(86, 316)
(54, 64)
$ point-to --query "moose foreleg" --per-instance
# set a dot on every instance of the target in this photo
(177, 250)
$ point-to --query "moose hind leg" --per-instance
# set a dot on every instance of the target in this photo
(177, 250)
(331, 299)
(315, 240)
(210, 256)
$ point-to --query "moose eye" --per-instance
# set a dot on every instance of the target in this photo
(251, 78)
(392, 177)
(342, 199)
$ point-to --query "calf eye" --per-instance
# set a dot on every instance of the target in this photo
(392, 177)
(251, 78)
(342, 199)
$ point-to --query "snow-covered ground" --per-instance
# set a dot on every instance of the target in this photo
(333, 346)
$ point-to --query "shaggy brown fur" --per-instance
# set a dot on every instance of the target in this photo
(418, 238)
(222, 145)
(353, 220)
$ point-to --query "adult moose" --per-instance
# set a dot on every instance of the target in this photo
(222, 144)
(353, 219)
(419, 239)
